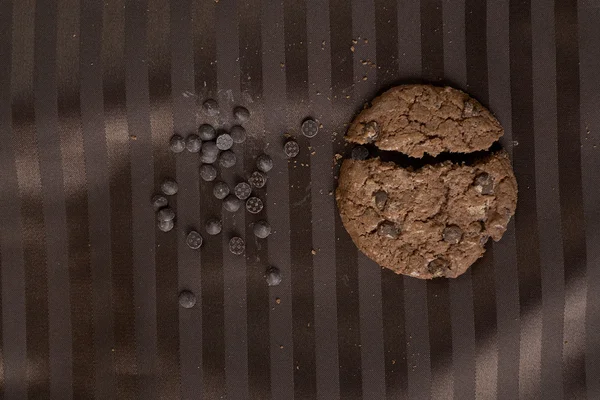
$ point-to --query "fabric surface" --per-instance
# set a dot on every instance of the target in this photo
(90, 93)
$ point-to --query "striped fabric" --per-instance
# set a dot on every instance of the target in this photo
(90, 93)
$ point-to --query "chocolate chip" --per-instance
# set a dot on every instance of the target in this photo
(237, 245)
(210, 107)
(291, 148)
(194, 240)
(452, 234)
(484, 183)
(176, 144)
(371, 130)
(227, 159)
(254, 205)
(238, 134)
(273, 276)
(209, 153)
(380, 199)
(483, 239)
(213, 226)
(257, 179)
(360, 153)
(264, 163)
(241, 113)
(310, 128)
(438, 267)
(165, 214)
(232, 203)
(208, 172)
(169, 187)
(187, 299)
(388, 229)
(159, 201)
(220, 190)
(242, 190)
(261, 229)
(165, 226)
(224, 141)
(193, 144)
(207, 132)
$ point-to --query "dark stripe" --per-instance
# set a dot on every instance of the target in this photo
(526, 218)
(188, 198)
(545, 373)
(322, 202)
(570, 188)
(161, 122)
(142, 187)
(589, 53)
(418, 357)
(32, 203)
(14, 356)
(369, 273)
(394, 342)
(213, 341)
(98, 195)
(113, 63)
(53, 197)
(250, 47)
(234, 267)
(345, 252)
(432, 44)
(438, 296)
(296, 69)
(460, 290)
(75, 177)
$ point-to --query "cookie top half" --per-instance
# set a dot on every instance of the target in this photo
(419, 119)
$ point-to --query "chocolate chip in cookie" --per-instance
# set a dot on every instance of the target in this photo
(452, 234)
(484, 183)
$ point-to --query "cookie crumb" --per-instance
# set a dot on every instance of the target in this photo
(313, 252)
(277, 300)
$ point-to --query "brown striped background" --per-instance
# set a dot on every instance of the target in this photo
(91, 91)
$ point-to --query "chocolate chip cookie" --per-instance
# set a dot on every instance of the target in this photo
(419, 119)
(432, 221)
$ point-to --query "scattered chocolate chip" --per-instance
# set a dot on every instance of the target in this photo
(208, 172)
(242, 190)
(273, 276)
(452, 234)
(210, 107)
(176, 144)
(261, 229)
(310, 128)
(484, 183)
(194, 240)
(224, 141)
(388, 229)
(209, 153)
(438, 267)
(206, 132)
(257, 179)
(165, 226)
(193, 144)
(159, 201)
(169, 187)
(232, 203)
(220, 190)
(360, 153)
(237, 245)
(187, 299)
(227, 159)
(241, 113)
(165, 214)
(380, 199)
(254, 205)
(213, 226)
(371, 130)
(264, 163)
(291, 148)
(238, 134)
